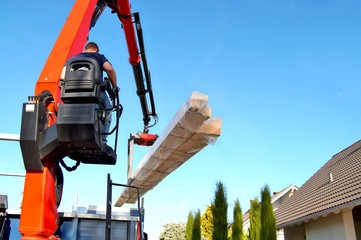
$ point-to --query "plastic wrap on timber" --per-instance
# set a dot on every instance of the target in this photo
(192, 128)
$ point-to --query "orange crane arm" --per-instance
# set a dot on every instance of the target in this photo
(136, 57)
(70, 42)
(39, 216)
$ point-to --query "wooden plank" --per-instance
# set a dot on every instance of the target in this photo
(190, 130)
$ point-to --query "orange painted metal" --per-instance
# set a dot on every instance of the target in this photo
(39, 216)
(122, 8)
(70, 42)
(145, 139)
(139, 234)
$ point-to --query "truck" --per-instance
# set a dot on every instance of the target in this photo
(65, 117)
(83, 222)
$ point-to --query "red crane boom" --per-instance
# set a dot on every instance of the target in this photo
(42, 150)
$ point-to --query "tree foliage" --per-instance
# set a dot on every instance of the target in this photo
(207, 223)
(196, 231)
(237, 226)
(254, 231)
(219, 211)
(173, 231)
(189, 226)
(268, 220)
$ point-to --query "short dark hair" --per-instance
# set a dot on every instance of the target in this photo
(92, 45)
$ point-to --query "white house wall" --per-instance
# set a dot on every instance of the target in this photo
(280, 235)
(328, 228)
(339, 226)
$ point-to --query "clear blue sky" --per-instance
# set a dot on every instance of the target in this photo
(283, 75)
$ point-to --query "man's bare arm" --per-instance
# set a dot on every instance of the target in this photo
(108, 68)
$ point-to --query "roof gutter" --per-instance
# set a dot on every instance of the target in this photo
(324, 213)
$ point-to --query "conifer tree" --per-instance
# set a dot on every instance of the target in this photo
(254, 231)
(173, 231)
(189, 226)
(237, 226)
(196, 231)
(219, 210)
(207, 223)
(268, 220)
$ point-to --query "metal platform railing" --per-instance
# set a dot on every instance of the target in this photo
(108, 220)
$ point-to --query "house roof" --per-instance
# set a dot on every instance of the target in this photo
(275, 197)
(336, 185)
(278, 195)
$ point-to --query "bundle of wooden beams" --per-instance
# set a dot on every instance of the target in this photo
(191, 129)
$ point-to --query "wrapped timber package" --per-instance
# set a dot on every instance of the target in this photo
(191, 129)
